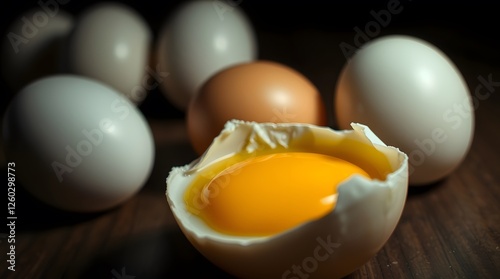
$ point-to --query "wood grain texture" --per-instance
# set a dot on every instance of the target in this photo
(450, 229)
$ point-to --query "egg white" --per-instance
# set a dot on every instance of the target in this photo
(366, 213)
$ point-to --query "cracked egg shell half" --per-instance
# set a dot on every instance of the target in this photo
(231, 222)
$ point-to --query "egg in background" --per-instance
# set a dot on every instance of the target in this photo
(78, 144)
(32, 46)
(330, 246)
(260, 91)
(199, 39)
(111, 43)
(413, 97)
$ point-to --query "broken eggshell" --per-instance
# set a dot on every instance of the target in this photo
(366, 213)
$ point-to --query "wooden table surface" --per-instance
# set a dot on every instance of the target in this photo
(450, 229)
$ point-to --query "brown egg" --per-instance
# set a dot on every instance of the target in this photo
(259, 91)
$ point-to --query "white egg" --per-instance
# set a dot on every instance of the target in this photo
(111, 43)
(332, 246)
(33, 44)
(201, 38)
(413, 97)
(78, 144)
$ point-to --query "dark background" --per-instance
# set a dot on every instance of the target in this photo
(448, 230)
(466, 30)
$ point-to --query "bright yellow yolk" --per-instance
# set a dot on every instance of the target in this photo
(269, 194)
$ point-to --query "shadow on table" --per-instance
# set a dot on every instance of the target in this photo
(160, 254)
(167, 156)
(420, 190)
(33, 215)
